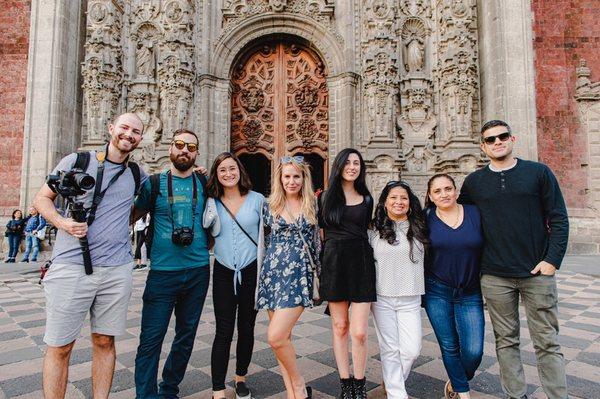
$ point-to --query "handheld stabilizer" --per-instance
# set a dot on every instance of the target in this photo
(70, 184)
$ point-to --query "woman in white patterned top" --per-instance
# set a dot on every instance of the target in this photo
(398, 239)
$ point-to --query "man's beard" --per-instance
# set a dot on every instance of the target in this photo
(181, 163)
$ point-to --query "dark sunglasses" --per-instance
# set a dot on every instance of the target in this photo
(492, 139)
(180, 144)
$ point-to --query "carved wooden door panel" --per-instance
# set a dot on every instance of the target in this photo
(280, 105)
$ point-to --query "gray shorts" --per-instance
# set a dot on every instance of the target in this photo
(71, 294)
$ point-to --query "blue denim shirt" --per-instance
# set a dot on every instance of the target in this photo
(35, 223)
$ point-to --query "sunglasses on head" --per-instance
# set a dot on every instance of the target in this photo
(180, 144)
(492, 139)
(295, 158)
(392, 182)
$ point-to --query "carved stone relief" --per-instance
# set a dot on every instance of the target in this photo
(102, 69)
(587, 94)
(152, 58)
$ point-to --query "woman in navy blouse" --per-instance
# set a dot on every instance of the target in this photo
(452, 295)
(233, 215)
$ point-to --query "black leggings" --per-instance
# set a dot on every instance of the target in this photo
(140, 238)
(225, 304)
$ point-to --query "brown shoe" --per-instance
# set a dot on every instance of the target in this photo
(448, 392)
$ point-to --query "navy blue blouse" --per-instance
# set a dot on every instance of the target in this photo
(454, 254)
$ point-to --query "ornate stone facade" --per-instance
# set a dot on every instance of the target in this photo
(406, 93)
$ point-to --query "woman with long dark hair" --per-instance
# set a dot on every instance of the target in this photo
(348, 267)
(452, 292)
(399, 239)
(233, 214)
(14, 233)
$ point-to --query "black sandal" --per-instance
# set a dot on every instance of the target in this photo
(308, 392)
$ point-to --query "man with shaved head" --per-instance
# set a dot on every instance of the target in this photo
(70, 292)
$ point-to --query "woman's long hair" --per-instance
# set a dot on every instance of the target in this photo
(14, 213)
(215, 189)
(277, 198)
(417, 227)
(334, 200)
(428, 202)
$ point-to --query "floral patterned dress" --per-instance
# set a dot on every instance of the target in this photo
(286, 279)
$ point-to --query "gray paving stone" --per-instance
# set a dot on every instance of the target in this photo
(583, 326)
(14, 334)
(589, 358)
(25, 312)
(79, 356)
(583, 388)
(19, 355)
(265, 358)
(21, 385)
(265, 383)
(33, 323)
(573, 342)
(200, 358)
(325, 357)
(423, 386)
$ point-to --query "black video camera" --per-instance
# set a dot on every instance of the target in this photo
(182, 236)
(70, 183)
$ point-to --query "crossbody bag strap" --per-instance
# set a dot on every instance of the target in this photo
(236, 222)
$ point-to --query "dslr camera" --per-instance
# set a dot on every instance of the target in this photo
(71, 183)
(182, 236)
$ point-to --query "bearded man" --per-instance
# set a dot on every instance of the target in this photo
(179, 275)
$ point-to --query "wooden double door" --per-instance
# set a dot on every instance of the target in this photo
(279, 107)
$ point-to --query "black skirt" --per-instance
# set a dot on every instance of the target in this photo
(348, 271)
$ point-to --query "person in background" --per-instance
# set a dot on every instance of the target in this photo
(348, 272)
(233, 215)
(291, 245)
(399, 239)
(140, 254)
(452, 293)
(14, 233)
(35, 222)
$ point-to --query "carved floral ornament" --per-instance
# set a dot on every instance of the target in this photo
(585, 89)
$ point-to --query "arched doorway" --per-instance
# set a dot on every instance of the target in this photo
(279, 106)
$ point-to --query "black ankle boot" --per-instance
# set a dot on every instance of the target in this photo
(360, 390)
(347, 388)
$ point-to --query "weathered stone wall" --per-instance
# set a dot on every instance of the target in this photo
(567, 62)
(14, 45)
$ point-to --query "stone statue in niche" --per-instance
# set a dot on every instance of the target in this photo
(415, 54)
(145, 59)
(413, 37)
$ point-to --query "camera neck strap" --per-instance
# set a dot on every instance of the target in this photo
(98, 192)
(171, 199)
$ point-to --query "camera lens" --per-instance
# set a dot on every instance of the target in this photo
(84, 181)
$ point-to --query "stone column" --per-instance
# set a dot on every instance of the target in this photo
(342, 110)
(507, 70)
(52, 113)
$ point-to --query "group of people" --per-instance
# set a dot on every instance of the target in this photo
(502, 237)
(32, 228)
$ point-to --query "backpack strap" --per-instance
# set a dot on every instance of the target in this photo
(82, 161)
(135, 171)
(203, 181)
(154, 193)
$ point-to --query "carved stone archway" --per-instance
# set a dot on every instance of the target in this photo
(214, 89)
(279, 107)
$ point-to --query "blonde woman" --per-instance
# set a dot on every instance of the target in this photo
(291, 245)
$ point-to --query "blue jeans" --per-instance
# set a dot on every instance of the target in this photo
(183, 291)
(31, 243)
(13, 245)
(458, 322)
